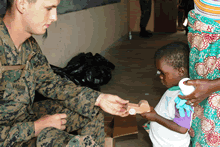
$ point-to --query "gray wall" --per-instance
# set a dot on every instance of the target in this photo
(90, 30)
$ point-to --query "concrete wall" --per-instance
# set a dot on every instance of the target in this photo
(91, 30)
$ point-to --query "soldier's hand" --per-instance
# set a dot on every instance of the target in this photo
(57, 121)
(113, 104)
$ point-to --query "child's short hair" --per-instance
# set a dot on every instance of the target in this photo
(175, 54)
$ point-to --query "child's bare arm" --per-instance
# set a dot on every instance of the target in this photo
(153, 116)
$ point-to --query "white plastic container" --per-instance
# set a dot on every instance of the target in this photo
(186, 89)
(132, 111)
(130, 35)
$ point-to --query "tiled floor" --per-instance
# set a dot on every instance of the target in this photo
(134, 77)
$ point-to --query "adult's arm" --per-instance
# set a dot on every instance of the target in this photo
(79, 99)
(82, 100)
(203, 89)
(12, 130)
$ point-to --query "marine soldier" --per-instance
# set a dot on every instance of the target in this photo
(24, 69)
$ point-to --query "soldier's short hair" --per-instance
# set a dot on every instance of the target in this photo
(176, 54)
(10, 3)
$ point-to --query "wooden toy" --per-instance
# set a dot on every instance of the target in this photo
(142, 107)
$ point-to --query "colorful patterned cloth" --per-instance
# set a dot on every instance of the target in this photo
(204, 42)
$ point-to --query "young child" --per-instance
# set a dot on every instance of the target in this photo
(167, 127)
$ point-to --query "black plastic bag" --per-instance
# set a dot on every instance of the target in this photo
(75, 63)
(103, 61)
(60, 71)
(106, 74)
(93, 75)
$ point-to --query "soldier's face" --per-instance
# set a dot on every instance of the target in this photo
(39, 16)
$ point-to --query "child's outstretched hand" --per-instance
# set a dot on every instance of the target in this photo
(151, 116)
(139, 108)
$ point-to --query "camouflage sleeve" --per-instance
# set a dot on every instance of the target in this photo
(12, 132)
(78, 99)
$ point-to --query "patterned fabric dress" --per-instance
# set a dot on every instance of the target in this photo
(204, 43)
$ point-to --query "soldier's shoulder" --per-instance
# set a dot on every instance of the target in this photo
(33, 40)
(35, 44)
(3, 29)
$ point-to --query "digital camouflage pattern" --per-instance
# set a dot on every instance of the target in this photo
(17, 92)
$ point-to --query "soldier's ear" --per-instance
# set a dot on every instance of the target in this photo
(21, 5)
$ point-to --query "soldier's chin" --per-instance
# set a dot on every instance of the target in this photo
(41, 32)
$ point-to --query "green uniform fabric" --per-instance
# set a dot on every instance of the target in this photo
(17, 112)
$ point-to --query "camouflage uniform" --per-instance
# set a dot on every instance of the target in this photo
(21, 73)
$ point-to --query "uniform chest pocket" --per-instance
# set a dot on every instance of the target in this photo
(12, 75)
(16, 87)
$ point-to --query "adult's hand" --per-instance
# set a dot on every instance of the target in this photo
(112, 104)
(57, 121)
(203, 89)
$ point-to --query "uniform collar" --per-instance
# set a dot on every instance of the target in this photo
(7, 41)
(3, 27)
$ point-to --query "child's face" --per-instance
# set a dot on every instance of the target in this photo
(169, 76)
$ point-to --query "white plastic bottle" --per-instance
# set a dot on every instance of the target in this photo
(186, 89)
(130, 35)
